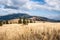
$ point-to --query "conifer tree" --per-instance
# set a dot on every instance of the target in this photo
(20, 21)
(0, 23)
(27, 21)
(31, 21)
(24, 20)
(7, 22)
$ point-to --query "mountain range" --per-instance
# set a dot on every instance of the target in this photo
(18, 15)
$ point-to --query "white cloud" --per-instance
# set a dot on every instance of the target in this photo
(25, 5)
(54, 4)
(13, 3)
(10, 11)
(50, 5)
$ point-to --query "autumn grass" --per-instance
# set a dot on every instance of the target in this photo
(32, 31)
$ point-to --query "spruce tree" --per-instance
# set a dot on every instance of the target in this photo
(7, 22)
(31, 21)
(27, 21)
(20, 21)
(0, 23)
(24, 20)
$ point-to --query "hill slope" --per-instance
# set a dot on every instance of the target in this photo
(18, 15)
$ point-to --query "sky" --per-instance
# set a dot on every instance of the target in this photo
(45, 8)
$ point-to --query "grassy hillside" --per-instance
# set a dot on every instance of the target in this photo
(32, 31)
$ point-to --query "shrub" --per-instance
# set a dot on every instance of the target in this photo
(34, 21)
(10, 23)
(4, 22)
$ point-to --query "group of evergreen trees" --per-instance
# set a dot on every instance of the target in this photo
(25, 21)
(1, 22)
(21, 21)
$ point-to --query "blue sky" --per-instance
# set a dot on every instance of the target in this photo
(45, 8)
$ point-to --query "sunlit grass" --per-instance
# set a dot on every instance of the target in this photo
(32, 31)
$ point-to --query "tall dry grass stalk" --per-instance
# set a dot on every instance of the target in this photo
(33, 31)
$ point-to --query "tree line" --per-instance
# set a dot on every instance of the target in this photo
(25, 21)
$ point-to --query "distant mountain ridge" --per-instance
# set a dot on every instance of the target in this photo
(13, 16)
(18, 15)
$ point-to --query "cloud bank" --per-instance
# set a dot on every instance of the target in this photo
(15, 6)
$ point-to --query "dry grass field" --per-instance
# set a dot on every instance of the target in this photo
(32, 31)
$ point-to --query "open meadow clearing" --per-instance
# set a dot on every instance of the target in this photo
(32, 31)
